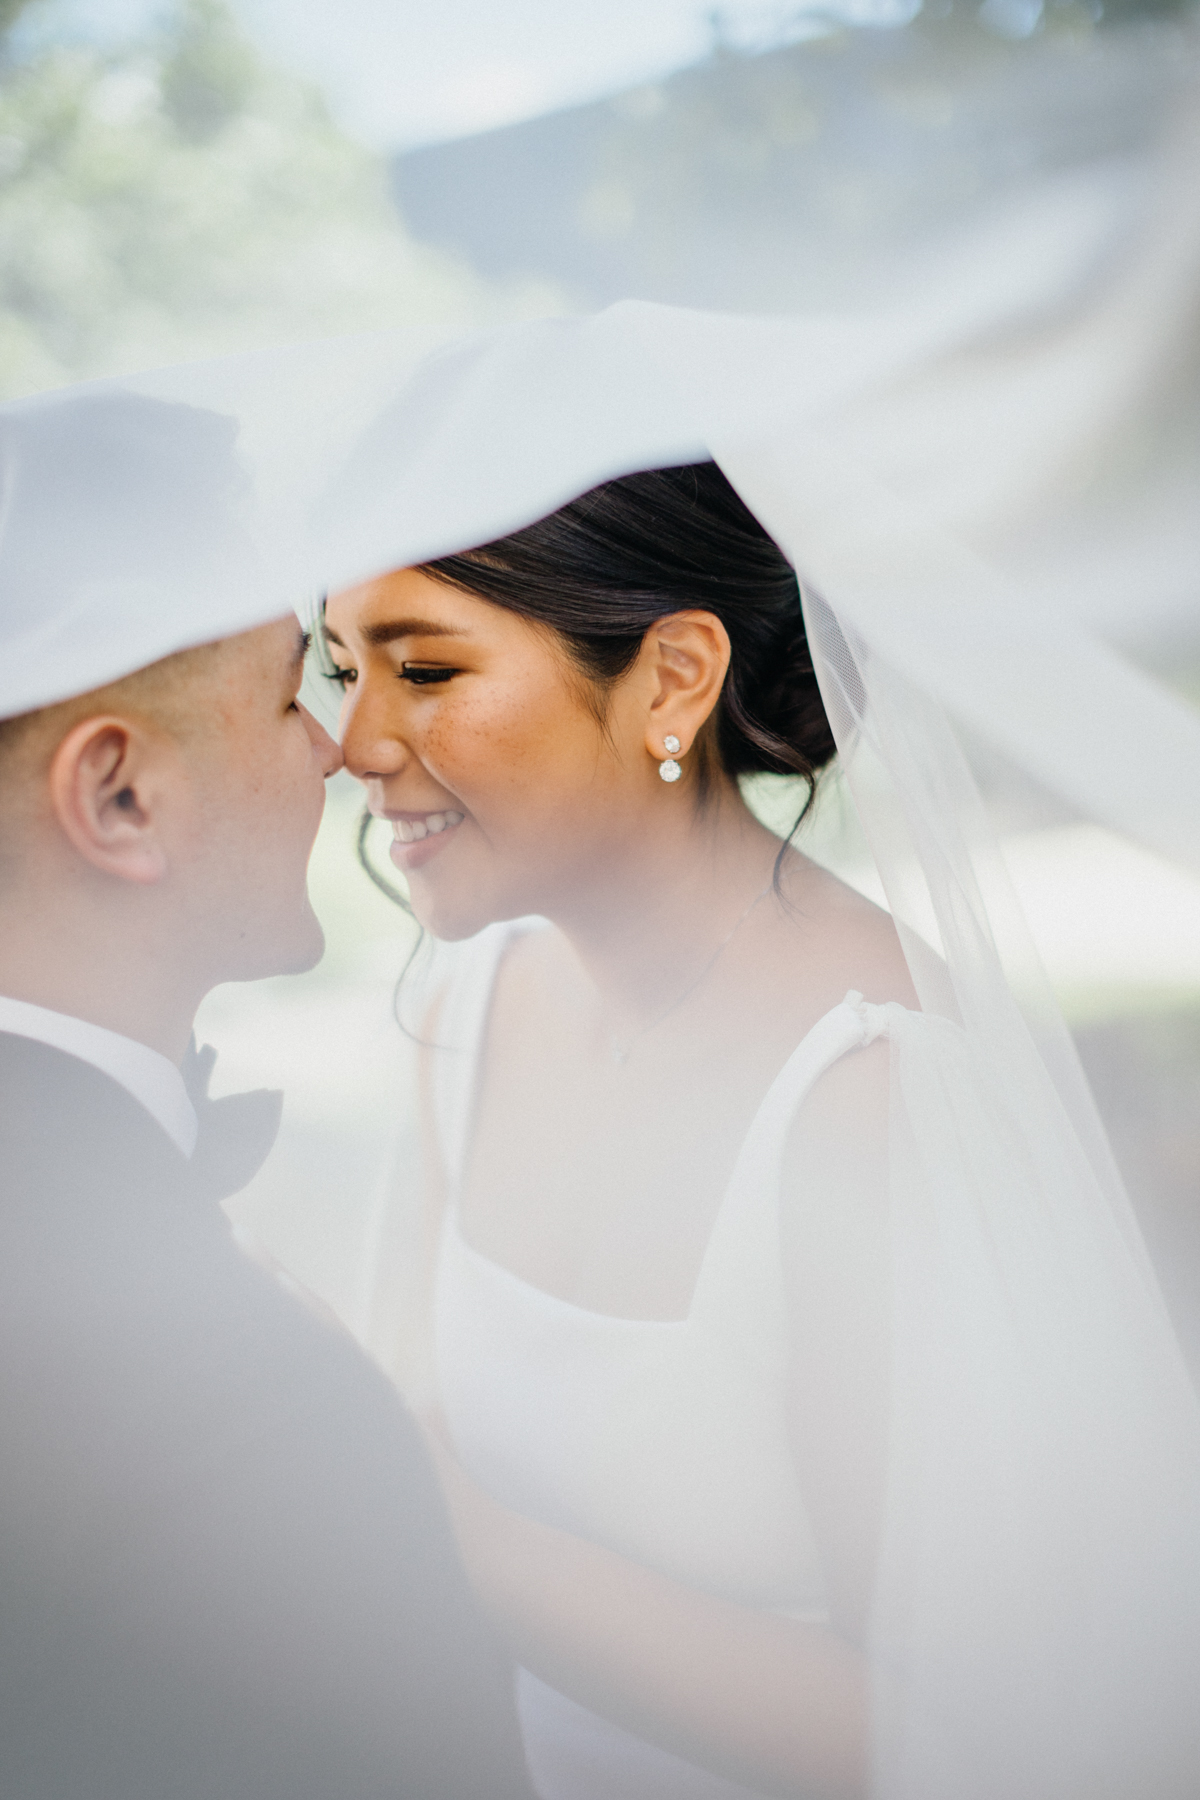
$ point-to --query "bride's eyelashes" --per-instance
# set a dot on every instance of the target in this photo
(419, 674)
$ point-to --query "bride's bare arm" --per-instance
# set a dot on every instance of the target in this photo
(767, 1701)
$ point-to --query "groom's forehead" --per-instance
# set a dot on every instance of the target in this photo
(248, 680)
(263, 664)
(275, 650)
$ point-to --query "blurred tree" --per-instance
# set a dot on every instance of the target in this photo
(181, 199)
(9, 9)
(211, 74)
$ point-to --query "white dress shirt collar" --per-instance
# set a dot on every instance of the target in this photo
(150, 1077)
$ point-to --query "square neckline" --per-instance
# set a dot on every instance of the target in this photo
(784, 1080)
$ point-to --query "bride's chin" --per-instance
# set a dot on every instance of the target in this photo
(455, 897)
(447, 916)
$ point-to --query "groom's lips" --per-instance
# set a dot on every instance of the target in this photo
(420, 835)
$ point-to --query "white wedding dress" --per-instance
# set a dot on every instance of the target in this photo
(664, 1440)
(1038, 1565)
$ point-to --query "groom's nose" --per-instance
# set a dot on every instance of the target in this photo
(327, 750)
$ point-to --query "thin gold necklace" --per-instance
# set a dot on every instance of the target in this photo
(620, 1048)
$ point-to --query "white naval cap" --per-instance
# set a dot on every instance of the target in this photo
(124, 537)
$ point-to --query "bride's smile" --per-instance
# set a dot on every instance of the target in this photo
(418, 836)
(411, 828)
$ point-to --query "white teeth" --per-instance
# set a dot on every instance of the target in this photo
(411, 831)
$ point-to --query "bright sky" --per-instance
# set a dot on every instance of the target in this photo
(404, 72)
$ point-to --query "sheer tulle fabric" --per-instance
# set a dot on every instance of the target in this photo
(953, 486)
(1035, 1622)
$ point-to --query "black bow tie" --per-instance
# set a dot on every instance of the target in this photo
(236, 1133)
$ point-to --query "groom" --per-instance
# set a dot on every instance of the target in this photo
(225, 1569)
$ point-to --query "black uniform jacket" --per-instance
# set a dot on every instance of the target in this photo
(225, 1569)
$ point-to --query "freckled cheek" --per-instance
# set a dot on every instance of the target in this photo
(495, 748)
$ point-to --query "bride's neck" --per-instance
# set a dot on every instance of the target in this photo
(658, 909)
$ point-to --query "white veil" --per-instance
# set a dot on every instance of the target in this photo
(968, 492)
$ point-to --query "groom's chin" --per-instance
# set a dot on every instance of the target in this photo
(292, 950)
(309, 949)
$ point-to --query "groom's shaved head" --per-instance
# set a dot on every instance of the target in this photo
(166, 691)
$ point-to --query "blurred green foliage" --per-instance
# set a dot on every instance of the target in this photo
(9, 12)
(211, 74)
(180, 199)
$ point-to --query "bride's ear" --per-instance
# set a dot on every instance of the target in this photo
(687, 656)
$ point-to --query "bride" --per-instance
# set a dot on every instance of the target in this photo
(661, 1289)
(811, 1423)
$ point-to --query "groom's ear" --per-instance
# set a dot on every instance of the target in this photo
(109, 782)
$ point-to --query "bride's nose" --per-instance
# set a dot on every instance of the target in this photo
(372, 747)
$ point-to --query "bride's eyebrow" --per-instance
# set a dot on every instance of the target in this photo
(391, 629)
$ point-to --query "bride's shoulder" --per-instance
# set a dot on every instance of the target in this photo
(846, 942)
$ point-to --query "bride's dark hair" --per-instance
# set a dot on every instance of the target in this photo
(602, 569)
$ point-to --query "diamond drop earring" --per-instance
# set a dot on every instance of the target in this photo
(669, 769)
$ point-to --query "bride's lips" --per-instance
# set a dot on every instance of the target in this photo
(416, 836)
